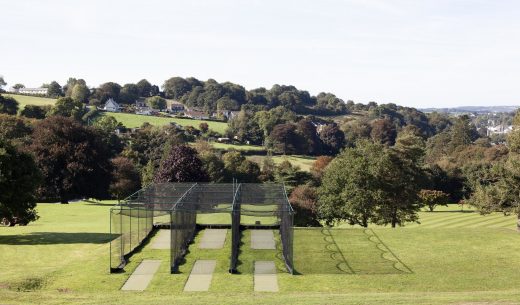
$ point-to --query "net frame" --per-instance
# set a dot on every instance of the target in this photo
(176, 206)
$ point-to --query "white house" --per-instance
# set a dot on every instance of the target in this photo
(196, 114)
(500, 129)
(32, 91)
(111, 106)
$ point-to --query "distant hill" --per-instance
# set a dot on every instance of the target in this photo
(472, 109)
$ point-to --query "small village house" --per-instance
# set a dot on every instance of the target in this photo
(112, 106)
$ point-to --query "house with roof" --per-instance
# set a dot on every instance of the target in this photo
(196, 114)
(30, 91)
(228, 114)
(111, 106)
(176, 107)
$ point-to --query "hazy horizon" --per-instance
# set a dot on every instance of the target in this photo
(443, 53)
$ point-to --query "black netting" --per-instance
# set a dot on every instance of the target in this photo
(177, 205)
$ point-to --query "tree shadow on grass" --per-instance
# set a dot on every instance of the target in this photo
(56, 238)
(360, 252)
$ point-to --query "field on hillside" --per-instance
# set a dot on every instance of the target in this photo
(225, 146)
(304, 162)
(135, 120)
(452, 257)
(31, 100)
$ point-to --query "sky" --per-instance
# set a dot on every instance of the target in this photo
(418, 53)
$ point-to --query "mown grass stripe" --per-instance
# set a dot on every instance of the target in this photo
(472, 221)
(487, 222)
(504, 222)
(448, 222)
(443, 221)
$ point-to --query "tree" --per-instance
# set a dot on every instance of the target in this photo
(107, 123)
(67, 107)
(182, 164)
(80, 93)
(239, 168)
(433, 198)
(15, 129)
(125, 178)
(285, 139)
(370, 183)
(144, 88)
(2, 82)
(19, 179)
(498, 186)
(513, 138)
(328, 103)
(462, 132)
(18, 86)
(268, 169)
(350, 186)
(156, 102)
(245, 128)
(266, 120)
(73, 159)
(400, 181)
(176, 87)
(107, 91)
(8, 105)
(54, 90)
(69, 86)
(304, 201)
(383, 131)
(129, 94)
(311, 143)
(214, 166)
(318, 167)
(204, 127)
(290, 175)
(333, 139)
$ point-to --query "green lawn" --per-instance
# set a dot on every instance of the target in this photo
(135, 120)
(304, 162)
(451, 217)
(31, 100)
(224, 146)
(452, 257)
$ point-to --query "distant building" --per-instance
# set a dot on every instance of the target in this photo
(228, 114)
(176, 107)
(196, 114)
(140, 103)
(31, 91)
(111, 106)
(500, 129)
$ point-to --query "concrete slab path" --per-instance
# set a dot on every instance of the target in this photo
(142, 275)
(213, 239)
(162, 239)
(265, 276)
(262, 239)
(200, 276)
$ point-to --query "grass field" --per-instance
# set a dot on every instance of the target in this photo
(135, 120)
(30, 100)
(304, 162)
(453, 257)
(224, 146)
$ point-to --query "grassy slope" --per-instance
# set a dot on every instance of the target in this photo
(66, 250)
(134, 120)
(31, 100)
(304, 162)
(224, 146)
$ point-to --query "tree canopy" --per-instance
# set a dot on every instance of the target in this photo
(72, 158)
(19, 179)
